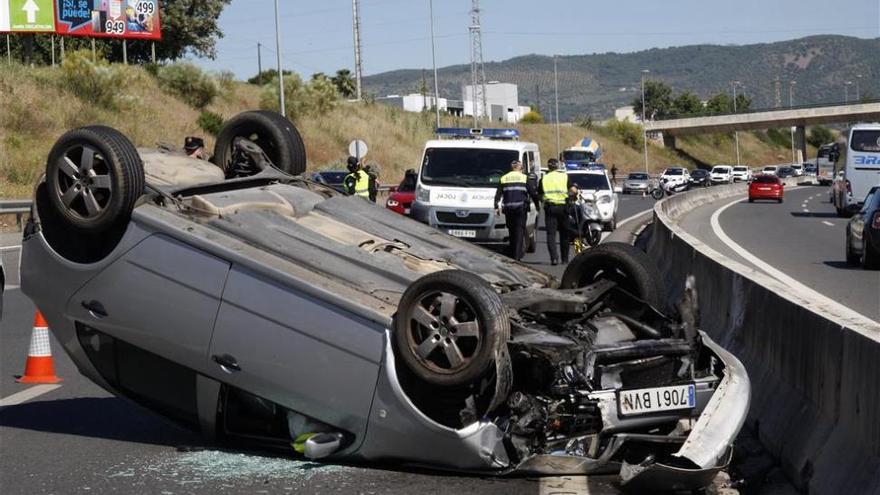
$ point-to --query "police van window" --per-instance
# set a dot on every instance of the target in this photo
(532, 161)
(527, 164)
(466, 166)
(867, 140)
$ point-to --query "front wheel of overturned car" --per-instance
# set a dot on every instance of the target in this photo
(450, 327)
(273, 133)
(619, 262)
(94, 175)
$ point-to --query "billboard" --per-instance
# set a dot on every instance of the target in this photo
(27, 16)
(132, 19)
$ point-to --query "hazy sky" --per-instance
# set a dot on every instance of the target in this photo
(395, 34)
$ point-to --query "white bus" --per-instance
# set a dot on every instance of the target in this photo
(861, 171)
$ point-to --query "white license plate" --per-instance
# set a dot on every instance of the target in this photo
(763, 188)
(463, 233)
(406, 211)
(650, 400)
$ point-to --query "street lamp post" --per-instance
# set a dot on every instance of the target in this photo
(736, 133)
(791, 86)
(434, 63)
(556, 91)
(846, 86)
(858, 95)
(644, 122)
(278, 61)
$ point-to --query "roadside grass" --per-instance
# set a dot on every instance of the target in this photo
(36, 107)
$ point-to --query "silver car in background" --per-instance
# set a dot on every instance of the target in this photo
(637, 182)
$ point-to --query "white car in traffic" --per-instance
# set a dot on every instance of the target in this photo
(798, 169)
(721, 174)
(769, 170)
(675, 175)
(595, 181)
(741, 173)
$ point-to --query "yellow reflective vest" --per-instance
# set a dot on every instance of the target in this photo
(555, 186)
(361, 184)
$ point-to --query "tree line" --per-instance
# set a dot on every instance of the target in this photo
(662, 104)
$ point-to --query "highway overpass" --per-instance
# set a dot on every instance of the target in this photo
(799, 117)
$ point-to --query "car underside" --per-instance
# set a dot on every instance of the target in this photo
(298, 316)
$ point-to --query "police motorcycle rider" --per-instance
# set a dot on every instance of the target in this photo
(357, 182)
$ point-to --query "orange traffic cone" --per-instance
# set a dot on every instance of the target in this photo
(39, 367)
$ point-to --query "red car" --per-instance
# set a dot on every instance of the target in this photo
(766, 187)
(401, 198)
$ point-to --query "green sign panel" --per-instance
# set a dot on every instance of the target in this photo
(31, 15)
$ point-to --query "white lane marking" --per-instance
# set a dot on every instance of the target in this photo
(563, 485)
(805, 292)
(27, 394)
(632, 217)
(826, 222)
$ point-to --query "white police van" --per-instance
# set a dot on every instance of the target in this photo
(460, 172)
(862, 168)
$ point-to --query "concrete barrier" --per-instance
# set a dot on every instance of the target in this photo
(815, 370)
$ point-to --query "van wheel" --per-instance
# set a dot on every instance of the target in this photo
(94, 176)
(449, 327)
(272, 132)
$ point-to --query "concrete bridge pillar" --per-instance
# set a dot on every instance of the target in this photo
(800, 139)
(668, 140)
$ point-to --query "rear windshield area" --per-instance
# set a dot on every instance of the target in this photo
(638, 176)
(766, 179)
(868, 140)
(674, 171)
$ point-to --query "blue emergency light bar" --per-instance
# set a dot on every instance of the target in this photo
(588, 166)
(464, 132)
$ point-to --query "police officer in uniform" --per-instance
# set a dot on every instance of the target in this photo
(554, 192)
(515, 194)
(357, 182)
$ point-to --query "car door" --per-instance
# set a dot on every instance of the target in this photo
(299, 351)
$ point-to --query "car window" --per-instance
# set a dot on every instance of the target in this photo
(865, 140)
(638, 176)
(720, 170)
(466, 166)
(673, 171)
(869, 201)
(740, 169)
(596, 182)
(763, 179)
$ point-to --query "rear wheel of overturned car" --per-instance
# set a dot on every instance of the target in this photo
(626, 265)
(94, 177)
(450, 327)
(273, 133)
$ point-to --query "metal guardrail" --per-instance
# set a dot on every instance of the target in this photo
(17, 207)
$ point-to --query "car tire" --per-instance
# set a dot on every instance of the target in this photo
(779, 200)
(751, 200)
(851, 257)
(272, 132)
(619, 262)
(869, 260)
(94, 176)
(610, 226)
(427, 343)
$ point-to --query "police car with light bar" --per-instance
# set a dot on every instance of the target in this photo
(458, 177)
(592, 179)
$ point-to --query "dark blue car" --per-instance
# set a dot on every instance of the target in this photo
(863, 233)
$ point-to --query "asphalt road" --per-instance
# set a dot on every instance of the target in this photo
(78, 438)
(803, 238)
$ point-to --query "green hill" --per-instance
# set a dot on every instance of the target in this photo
(597, 84)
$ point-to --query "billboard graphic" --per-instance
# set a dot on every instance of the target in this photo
(134, 19)
(27, 16)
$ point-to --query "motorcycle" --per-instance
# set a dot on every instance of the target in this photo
(587, 223)
(665, 187)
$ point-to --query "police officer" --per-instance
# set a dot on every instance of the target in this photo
(516, 194)
(357, 182)
(554, 191)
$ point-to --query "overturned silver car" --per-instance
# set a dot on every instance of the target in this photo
(258, 307)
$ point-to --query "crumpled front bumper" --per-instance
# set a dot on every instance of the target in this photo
(706, 451)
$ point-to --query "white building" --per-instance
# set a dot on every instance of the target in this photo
(502, 100)
(414, 102)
